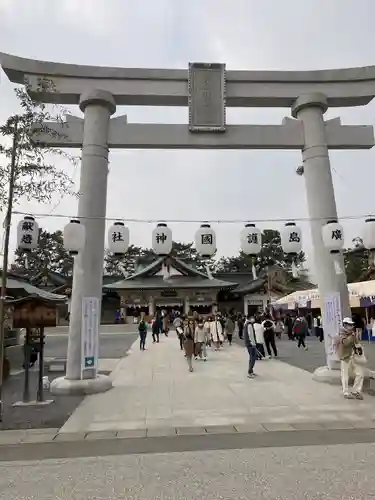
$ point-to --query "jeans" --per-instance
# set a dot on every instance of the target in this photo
(269, 340)
(252, 350)
(301, 341)
(155, 336)
(261, 353)
(142, 340)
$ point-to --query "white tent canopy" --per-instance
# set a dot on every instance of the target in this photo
(300, 298)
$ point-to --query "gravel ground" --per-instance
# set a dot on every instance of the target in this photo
(341, 472)
(57, 413)
(111, 345)
(34, 417)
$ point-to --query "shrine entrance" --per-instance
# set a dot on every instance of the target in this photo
(207, 90)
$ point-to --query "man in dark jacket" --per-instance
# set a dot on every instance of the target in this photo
(300, 330)
(250, 343)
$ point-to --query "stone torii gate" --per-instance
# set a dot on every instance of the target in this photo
(207, 89)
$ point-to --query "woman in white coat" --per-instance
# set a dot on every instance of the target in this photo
(217, 333)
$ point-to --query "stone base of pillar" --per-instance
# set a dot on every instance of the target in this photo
(327, 376)
(62, 386)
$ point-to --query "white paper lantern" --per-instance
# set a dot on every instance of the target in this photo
(118, 238)
(205, 241)
(291, 238)
(251, 240)
(74, 237)
(369, 234)
(162, 239)
(333, 236)
(27, 234)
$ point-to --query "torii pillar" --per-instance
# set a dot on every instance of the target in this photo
(98, 106)
(321, 206)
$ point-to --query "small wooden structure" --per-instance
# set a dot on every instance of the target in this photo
(34, 313)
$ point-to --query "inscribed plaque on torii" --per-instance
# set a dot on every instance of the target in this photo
(206, 97)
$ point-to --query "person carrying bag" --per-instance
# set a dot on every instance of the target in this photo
(352, 359)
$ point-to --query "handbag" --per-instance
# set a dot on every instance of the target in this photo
(359, 355)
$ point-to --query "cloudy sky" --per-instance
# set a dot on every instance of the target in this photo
(245, 34)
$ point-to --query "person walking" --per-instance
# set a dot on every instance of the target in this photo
(269, 336)
(279, 328)
(165, 322)
(189, 343)
(216, 330)
(155, 327)
(259, 334)
(117, 316)
(200, 340)
(179, 326)
(289, 326)
(250, 343)
(346, 350)
(318, 330)
(207, 329)
(142, 329)
(300, 330)
(240, 324)
(229, 329)
(221, 320)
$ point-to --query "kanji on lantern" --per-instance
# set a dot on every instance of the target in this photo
(205, 241)
(251, 240)
(28, 225)
(162, 239)
(27, 239)
(118, 238)
(291, 238)
(27, 234)
(294, 237)
(337, 234)
(333, 236)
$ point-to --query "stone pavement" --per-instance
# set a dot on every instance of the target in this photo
(153, 390)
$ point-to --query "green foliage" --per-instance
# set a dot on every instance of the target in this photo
(50, 255)
(36, 177)
(271, 254)
(356, 264)
(186, 252)
(126, 264)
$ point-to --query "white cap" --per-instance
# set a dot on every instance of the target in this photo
(347, 321)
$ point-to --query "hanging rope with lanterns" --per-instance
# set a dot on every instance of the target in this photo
(205, 240)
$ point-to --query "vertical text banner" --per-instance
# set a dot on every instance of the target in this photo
(90, 333)
(331, 324)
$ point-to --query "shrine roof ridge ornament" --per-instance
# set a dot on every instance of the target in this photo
(169, 87)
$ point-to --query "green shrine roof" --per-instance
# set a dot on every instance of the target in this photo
(187, 277)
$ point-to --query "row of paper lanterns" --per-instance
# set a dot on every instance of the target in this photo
(205, 237)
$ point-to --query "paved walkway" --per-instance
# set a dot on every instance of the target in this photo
(153, 390)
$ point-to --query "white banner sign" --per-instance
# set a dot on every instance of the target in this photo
(90, 333)
(331, 325)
